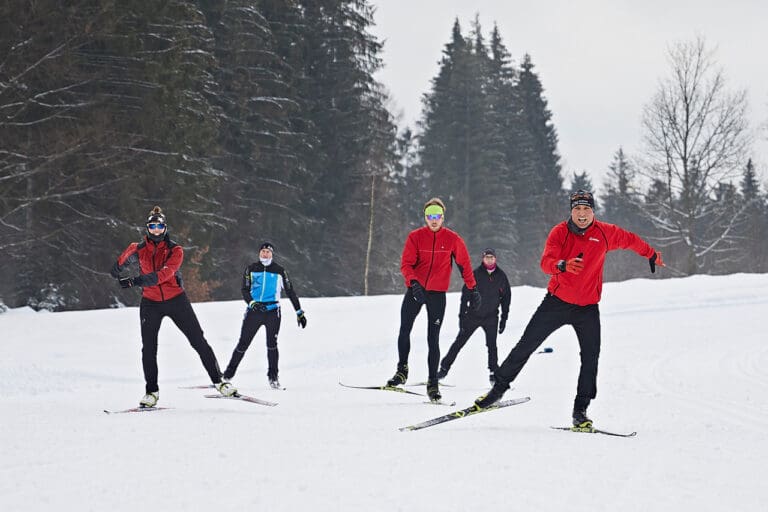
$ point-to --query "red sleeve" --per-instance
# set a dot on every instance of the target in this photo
(123, 258)
(619, 238)
(461, 255)
(553, 249)
(409, 259)
(172, 265)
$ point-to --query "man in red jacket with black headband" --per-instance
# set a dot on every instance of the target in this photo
(426, 266)
(574, 255)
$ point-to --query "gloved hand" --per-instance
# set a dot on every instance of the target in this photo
(301, 319)
(142, 280)
(574, 266)
(655, 260)
(502, 324)
(145, 279)
(253, 305)
(475, 300)
(419, 295)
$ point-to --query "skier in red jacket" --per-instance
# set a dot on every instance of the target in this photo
(426, 266)
(159, 261)
(574, 255)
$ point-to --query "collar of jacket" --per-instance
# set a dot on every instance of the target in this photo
(576, 230)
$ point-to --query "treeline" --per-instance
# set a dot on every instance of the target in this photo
(261, 120)
(245, 120)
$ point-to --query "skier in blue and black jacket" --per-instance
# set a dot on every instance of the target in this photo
(262, 283)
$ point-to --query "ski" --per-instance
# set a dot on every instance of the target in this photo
(244, 398)
(384, 388)
(211, 386)
(425, 383)
(593, 430)
(138, 409)
(463, 413)
(440, 402)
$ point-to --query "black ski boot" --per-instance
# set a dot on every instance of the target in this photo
(580, 418)
(401, 375)
(433, 391)
(493, 396)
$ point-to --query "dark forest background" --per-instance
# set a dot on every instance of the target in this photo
(261, 120)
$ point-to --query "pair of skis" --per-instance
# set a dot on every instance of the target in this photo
(474, 409)
(398, 389)
(237, 396)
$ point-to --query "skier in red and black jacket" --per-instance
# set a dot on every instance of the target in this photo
(426, 265)
(574, 255)
(159, 260)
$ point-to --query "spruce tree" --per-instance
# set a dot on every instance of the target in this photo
(541, 199)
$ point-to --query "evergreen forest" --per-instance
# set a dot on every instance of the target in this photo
(254, 120)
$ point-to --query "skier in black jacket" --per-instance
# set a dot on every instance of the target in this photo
(493, 285)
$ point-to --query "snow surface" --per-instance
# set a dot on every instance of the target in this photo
(683, 363)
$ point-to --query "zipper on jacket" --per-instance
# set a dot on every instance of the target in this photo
(154, 265)
(431, 260)
(263, 283)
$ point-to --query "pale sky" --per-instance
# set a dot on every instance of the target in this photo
(600, 62)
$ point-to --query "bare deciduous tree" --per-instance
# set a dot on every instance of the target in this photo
(696, 137)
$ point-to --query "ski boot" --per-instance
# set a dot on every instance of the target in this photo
(492, 396)
(580, 419)
(433, 391)
(226, 389)
(150, 399)
(274, 383)
(400, 376)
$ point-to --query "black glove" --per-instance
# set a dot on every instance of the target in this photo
(475, 300)
(145, 279)
(115, 271)
(655, 260)
(502, 325)
(301, 319)
(142, 280)
(418, 292)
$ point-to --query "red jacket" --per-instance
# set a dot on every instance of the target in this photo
(163, 258)
(427, 258)
(599, 238)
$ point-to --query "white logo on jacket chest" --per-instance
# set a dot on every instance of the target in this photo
(593, 239)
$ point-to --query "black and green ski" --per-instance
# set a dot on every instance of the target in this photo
(384, 388)
(593, 430)
(463, 413)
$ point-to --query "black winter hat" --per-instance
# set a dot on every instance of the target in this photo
(488, 251)
(267, 245)
(582, 198)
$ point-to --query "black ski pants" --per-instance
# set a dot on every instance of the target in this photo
(466, 329)
(180, 311)
(252, 321)
(435, 312)
(552, 314)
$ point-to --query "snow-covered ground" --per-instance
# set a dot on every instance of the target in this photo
(683, 362)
